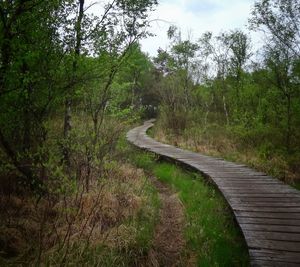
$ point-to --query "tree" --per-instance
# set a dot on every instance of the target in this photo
(45, 48)
(178, 67)
(239, 45)
(110, 37)
(216, 51)
(183, 53)
(280, 21)
(30, 56)
(135, 82)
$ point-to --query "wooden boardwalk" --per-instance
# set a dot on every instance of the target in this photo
(267, 210)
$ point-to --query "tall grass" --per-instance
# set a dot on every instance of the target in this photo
(110, 225)
(257, 147)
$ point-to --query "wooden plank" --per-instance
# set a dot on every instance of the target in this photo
(271, 228)
(264, 195)
(266, 221)
(247, 179)
(258, 190)
(272, 244)
(264, 199)
(251, 178)
(267, 209)
(268, 235)
(268, 263)
(223, 172)
(260, 187)
(262, 214)
(268, 254)
(230, 175)
(243, 203)
(245, 183)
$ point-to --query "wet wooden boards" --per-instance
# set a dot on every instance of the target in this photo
(267, 210)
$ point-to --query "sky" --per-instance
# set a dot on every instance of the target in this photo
(193, 18)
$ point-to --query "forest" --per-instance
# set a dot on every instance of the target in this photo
(73, 192)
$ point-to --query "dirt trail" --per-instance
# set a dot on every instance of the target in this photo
(168, 240)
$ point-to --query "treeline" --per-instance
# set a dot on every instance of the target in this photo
(70, 81)
(219, 86)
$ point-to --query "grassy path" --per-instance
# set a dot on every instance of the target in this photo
(211, 235)
(168, 241)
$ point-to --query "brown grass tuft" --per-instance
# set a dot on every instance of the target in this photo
(53, 225)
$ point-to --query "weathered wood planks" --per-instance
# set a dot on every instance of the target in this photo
(267, 210)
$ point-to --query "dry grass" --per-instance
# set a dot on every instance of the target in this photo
(221, 144)
(168, 243)
(61, 228)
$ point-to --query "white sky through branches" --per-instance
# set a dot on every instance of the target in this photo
(194, 17)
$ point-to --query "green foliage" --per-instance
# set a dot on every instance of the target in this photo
(211, 92)
(55, 53)
(56, 56)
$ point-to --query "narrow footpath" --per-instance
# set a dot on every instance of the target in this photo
(168, 240)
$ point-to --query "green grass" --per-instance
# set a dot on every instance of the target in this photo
(212, 237)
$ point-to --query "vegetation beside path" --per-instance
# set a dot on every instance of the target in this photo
(111, 224)
(219, 141)
(212, 237)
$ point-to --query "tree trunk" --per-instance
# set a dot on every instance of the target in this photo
(288, 130)
(208, 105)
(225, 110)
(27, 112)
(68, 101)
(187, 92)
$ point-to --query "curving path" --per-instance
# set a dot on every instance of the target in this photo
(267, 210)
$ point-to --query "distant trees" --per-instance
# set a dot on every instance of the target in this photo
(239, 46)
(178, 66)
(216, 51)
(217, 61)
(280, 21)
(226, 56)
(217, 79)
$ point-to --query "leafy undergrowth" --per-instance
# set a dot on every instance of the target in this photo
(110, 225)
(219, 141)
(212, 237)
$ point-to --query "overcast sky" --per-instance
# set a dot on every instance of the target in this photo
(196, 17)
